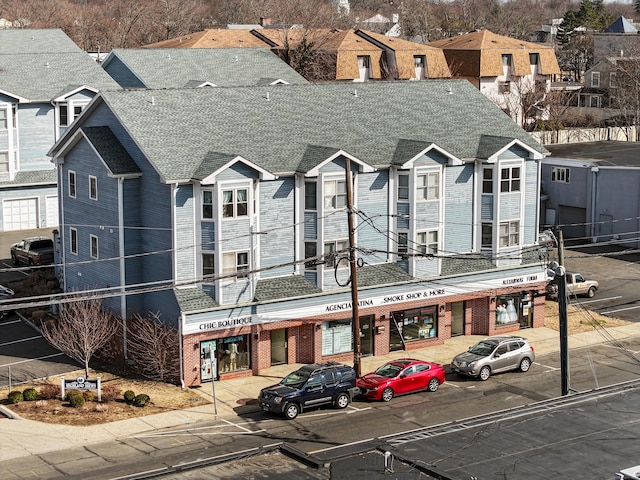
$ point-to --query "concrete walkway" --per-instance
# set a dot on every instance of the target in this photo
(20, 437)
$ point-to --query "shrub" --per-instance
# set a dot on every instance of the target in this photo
(110, 393)
(129, 395)
(76, 400)
(15, 396)
(49, 391)
(141, 400)
(30, 394)
(89, 395)
(71, 393)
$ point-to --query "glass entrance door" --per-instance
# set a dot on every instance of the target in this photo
(457, 319)
(279, 346)
(366, 335)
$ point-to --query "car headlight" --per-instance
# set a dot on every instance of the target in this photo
(277, 400)
(471, 364)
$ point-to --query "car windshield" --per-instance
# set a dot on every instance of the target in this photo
(388, 370)
(482, 348)
(295, 379)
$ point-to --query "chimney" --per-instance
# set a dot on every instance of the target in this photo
(264, 21)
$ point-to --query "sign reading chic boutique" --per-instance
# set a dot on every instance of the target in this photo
(410, 295)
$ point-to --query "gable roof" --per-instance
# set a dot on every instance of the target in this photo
(36, 41)
(43, 77)
(176, 68)
(176, 129)
(479, 54)
(213, 38)
(621, 25)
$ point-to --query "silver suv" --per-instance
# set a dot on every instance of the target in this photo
(494, 355)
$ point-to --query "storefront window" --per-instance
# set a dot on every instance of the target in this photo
(337, 337)
(232, 353)
(507, 308)
(412, 325)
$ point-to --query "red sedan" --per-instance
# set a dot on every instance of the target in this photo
(399, 377)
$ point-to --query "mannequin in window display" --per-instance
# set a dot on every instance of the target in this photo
(233, 356)
(501, 314)
(511, 311)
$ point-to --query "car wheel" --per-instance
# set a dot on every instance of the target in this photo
(591, 292)
(291, 411)
(525, 364)
(434, 383)
(342, 400)
(387, 394)
(14, 259)
(485, 373)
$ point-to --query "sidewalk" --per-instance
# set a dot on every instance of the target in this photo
(238, 396)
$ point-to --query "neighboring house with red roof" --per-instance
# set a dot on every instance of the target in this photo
(516, 75)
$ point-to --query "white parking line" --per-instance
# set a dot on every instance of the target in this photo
(20, 341)
(549, 368)
(10, 323)
(583, 302)
(241, 430)
(32, 359)
(619, 310)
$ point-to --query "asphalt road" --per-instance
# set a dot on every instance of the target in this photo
(323, 430)
(617, 271)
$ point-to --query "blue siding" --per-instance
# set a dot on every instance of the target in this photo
(185, 234)
(237, 292)
(311, 224)
(234, 235)
(373, 192)
(122, 74)
(509, 206)
(238, 171)
(36, 136)
(277, 216)
(458, 209)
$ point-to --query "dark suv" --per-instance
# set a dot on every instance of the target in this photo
(310, 386)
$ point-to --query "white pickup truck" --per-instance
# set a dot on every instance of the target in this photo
(576, 285)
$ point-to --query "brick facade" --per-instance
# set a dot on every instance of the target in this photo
(304, 336)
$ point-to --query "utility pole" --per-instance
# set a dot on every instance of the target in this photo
(563, 320)
(355, 319)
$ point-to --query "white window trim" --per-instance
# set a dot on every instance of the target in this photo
(595, 79)
(332, 262)
(428, 174)
(508, 223)
(336, 195)
(93, 180)
(235, 189)
(6, 123)
(425, 247)
(212, 274)
(232, 276)
(73, 232)
(93, 240)
(71, 106)
(71, 173)
(560, 174)
(202, 204)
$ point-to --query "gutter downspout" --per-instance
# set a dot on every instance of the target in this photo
(123, 279)
(594, 194)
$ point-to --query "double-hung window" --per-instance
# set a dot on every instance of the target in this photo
(510, 179)
(509, 233)
(332, 250)
(207, 204)
(235, 203)
(487, 180)
(335, 194)
(94, 246)
(310, 251)
(208, 267)
(73, 241)
(428, 186)
(235, 264)
(93, 188)
(4, 118)
(4, 162)
(72, 184)
(428, 242)
(487, 235)
(69, 112)
(403, 186)
(403, 243)
(310, 195)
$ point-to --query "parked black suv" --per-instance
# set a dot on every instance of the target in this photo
(310, 386)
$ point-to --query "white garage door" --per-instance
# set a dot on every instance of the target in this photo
(52, 211)
(20, 214)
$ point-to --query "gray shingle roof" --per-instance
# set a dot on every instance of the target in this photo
(284, 287)
(224, 67)
(41, 77)
(111, 150)
(36, 41)
(275, 127)
(382, 274)
(34, 177)
(193, 299)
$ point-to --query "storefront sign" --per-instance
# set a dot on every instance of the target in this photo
(414, 292)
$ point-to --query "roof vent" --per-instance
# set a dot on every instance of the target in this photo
(153, 100)
(450, 91)
(267, 97)
(46, 65)
(355, 93)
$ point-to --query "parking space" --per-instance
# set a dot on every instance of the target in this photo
(26, 356)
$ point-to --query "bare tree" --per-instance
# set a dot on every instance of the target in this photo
(81, 329)
(626, 91)
(154, 348)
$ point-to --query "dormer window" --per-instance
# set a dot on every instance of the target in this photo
(70, 111)
(335, 194)
(234, 203)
